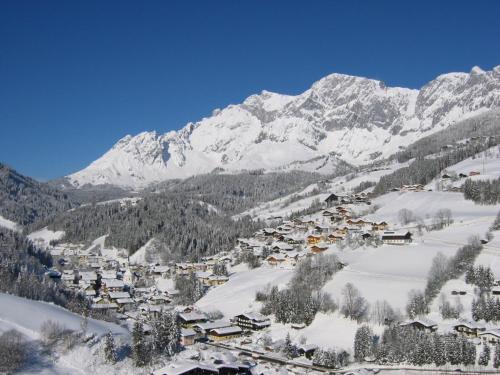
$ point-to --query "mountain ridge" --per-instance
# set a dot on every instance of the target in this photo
(340, 118)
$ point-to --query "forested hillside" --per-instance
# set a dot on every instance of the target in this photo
(485, 125)
(190, 218)
(24, 200)
(435, 153)
(22, 268)
(234, 193)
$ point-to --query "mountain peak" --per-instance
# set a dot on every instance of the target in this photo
(351, 116)
(476, 70)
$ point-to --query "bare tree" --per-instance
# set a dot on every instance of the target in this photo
(382, 313)
(13, 351)
(405, 216)
(354, 306)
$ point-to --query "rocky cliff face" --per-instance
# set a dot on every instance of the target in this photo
(340, 117)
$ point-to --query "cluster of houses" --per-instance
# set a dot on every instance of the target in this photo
(196, 327)
(115, 286)
(285, 245)
(469, 329)
(452, 182)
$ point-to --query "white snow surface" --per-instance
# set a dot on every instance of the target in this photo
(43, 236)
(27, 316)
(339, 117)
(387, 272)
(6, 223)
(238, 294)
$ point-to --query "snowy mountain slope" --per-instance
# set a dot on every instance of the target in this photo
(24, 200)
(386, 272)
(340, 117)
(301, 200)
(27, 316)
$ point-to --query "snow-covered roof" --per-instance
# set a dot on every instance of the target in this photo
(187, 332)
(212, 325)
(203, 274)
(469, 324)
(493, 332)
(113, 283)
(180, 368)
(123, 301)
(161, 269)
(282, 246)
(116, 295)
(102, 306)
(422, 321)
(88, 275)
(108, 274)
(255, 316)
(192, 316)
(232, 330)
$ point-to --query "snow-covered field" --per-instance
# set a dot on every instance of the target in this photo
(426, 203)
(238, 294)
(487, 163)
(387, 272)
(27, 316)
(43, 236)
(6, 223)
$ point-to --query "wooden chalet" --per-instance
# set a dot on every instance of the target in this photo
(318, 249)
(379, 226)
(252, 321)
(421, 325)
(332, 199)
(312, 240)
(468, 329)
(188, 319)
(225, 333)
(335, 237)
(188, 336)
(491, 336)
(396, 238)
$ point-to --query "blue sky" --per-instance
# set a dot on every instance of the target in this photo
(75, 76)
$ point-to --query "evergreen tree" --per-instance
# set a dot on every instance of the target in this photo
(470, 275)
(468, 352)
(496, 358)
(140, 348)
(439, 355)
(288, 348)
(109, 348)
(453, 350)
(484, 358)
(417, 304)
(220, 269)
(343, 358)
(363, 343)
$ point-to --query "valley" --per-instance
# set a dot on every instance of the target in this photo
(260, 263)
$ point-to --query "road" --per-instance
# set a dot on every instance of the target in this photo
(261, 356)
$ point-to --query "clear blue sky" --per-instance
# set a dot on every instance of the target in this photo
(75, 76)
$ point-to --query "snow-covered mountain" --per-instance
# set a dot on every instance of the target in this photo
(340, 118)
